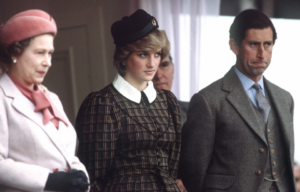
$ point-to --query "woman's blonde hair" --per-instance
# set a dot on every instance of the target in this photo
(155, 40)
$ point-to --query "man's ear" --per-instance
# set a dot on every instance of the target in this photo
(234, 46)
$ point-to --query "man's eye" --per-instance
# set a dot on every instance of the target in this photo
(268, 44)
(164, 65)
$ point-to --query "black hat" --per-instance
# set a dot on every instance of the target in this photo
(132, 28)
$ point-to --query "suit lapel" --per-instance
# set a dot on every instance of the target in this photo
(55, 137)
(282, 110)
(239, 99)
(26, 108)
(20, 102)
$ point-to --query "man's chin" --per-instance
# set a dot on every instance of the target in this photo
(258, 71)
(161, 86)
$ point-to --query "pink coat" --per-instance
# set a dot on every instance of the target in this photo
(30, 150)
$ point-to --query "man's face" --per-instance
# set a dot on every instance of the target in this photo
(297, 177)
(164, 76)
(255, 52)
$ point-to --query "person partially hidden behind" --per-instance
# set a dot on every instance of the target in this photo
(238, 136)
(163, 79)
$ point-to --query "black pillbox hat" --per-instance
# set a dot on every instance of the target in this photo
(132, 28)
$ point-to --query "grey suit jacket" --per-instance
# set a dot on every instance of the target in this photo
(222, 137)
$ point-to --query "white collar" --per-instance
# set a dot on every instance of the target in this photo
(131, 93)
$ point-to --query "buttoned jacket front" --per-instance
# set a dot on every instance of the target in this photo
(121, 141)
(222, 138)
(30, 150)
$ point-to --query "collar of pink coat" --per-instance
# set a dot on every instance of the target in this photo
(42, 102)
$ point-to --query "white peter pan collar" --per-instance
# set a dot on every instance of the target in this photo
(131, 92)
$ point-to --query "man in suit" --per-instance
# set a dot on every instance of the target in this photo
(238, 136)
(164, 79)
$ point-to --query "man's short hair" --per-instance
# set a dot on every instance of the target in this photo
(250, 19)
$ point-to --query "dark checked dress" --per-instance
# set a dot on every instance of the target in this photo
(128, 145)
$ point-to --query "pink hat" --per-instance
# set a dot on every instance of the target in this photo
(25, 25)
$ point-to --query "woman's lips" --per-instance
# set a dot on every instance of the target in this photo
(41, 73)
(149, 72)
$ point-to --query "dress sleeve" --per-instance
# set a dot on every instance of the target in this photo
(175, 150)
(97, 130)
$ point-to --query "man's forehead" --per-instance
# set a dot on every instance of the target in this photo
(253, 34)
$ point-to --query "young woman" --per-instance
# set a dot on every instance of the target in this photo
(37, 141)
(129, 131)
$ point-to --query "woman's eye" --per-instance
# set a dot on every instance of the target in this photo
(158, 54)
(143, 55)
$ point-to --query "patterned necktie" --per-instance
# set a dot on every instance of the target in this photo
(263, 105)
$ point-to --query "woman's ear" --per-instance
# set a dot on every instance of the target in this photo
(234, 46)
(14, 59)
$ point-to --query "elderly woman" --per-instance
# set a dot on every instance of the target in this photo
(129, 131)
(37, 141)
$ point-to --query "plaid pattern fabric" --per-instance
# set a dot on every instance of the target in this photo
(127, 146)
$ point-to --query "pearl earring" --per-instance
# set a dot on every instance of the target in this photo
(15, 60)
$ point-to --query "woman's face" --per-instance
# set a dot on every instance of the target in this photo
(33, 64)
(141, 67)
